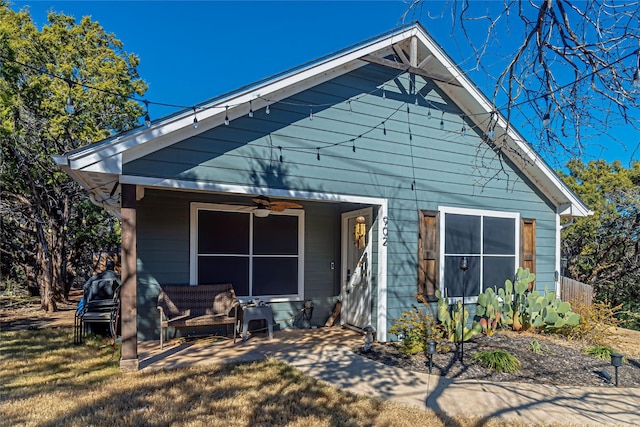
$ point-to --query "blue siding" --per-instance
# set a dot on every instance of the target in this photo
(396, 144)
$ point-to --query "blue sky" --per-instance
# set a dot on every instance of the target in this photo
(191, 51)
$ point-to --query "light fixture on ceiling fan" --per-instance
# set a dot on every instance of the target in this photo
(263, 206)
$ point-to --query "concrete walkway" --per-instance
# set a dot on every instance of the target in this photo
(325, 354)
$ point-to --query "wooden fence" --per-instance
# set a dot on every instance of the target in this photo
(574, 292)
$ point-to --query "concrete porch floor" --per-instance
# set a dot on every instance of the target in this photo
(285, 344)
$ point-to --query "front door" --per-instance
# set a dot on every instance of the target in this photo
(356, 270)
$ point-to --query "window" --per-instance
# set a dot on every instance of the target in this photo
(494, 243)
(260, 257)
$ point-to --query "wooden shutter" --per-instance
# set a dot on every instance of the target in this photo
(428, 255)
(528, 245)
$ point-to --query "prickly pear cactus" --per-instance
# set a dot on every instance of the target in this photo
(518, 308)
(454, 320)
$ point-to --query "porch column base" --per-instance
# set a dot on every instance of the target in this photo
(129, 365)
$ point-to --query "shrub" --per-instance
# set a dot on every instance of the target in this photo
(498, 360)
(416, 327)
(596, 324)
(600, 351)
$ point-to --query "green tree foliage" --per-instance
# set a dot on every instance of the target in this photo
(603, 250)
(49, 228)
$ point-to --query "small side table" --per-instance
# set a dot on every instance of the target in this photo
(258, 312)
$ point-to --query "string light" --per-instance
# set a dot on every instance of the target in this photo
(384, 93)
(350, 109)
(250, 109)
(195, 119)
(267, 110)
(311, 117)
(147, 118)
(384, 128)
(353, 147)
(442, 121)
(318, 153)
(463, 131)
(226, 115)
(69, 108)
(429, 111)
(416, 103)
(280, 148)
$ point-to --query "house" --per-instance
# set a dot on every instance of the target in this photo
(364, 176)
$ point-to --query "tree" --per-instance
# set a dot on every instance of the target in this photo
(574, 66)
(61, 87)
(604, 249)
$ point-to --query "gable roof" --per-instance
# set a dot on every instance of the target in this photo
(97, 167)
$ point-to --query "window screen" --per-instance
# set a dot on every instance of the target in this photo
(258, 256)
(488, 242)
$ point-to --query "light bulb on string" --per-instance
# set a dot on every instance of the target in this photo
(384, 93)
(442, 121)
(195, 119)
(353, 147)
(280, 148)
(463, 131)
(384, 128)
(429, 111)
(318, 153)
(147, 118)
(492, 132)
(226, 116)
(267, 110)
(69, 108)
(311, 114)
(416, 103)
(250, 109)
(350, 109)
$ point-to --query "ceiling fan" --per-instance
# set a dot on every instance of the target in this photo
(264, 205)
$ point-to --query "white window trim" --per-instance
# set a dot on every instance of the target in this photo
(474, 212)
(193, 245)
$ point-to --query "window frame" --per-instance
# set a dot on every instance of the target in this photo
(444, 210)
(247, 210)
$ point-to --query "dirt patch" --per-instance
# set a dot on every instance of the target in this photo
(27, 314)
(559, 362)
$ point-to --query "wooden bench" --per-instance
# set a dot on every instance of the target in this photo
(201, 305)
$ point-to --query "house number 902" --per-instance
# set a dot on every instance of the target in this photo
(385, 230)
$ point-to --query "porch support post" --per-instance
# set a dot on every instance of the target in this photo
(128, 306)
(383, 235)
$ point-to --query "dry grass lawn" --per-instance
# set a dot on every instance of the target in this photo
(47, 381)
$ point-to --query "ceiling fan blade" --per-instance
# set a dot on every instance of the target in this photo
(237, 203)
(281, 205)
